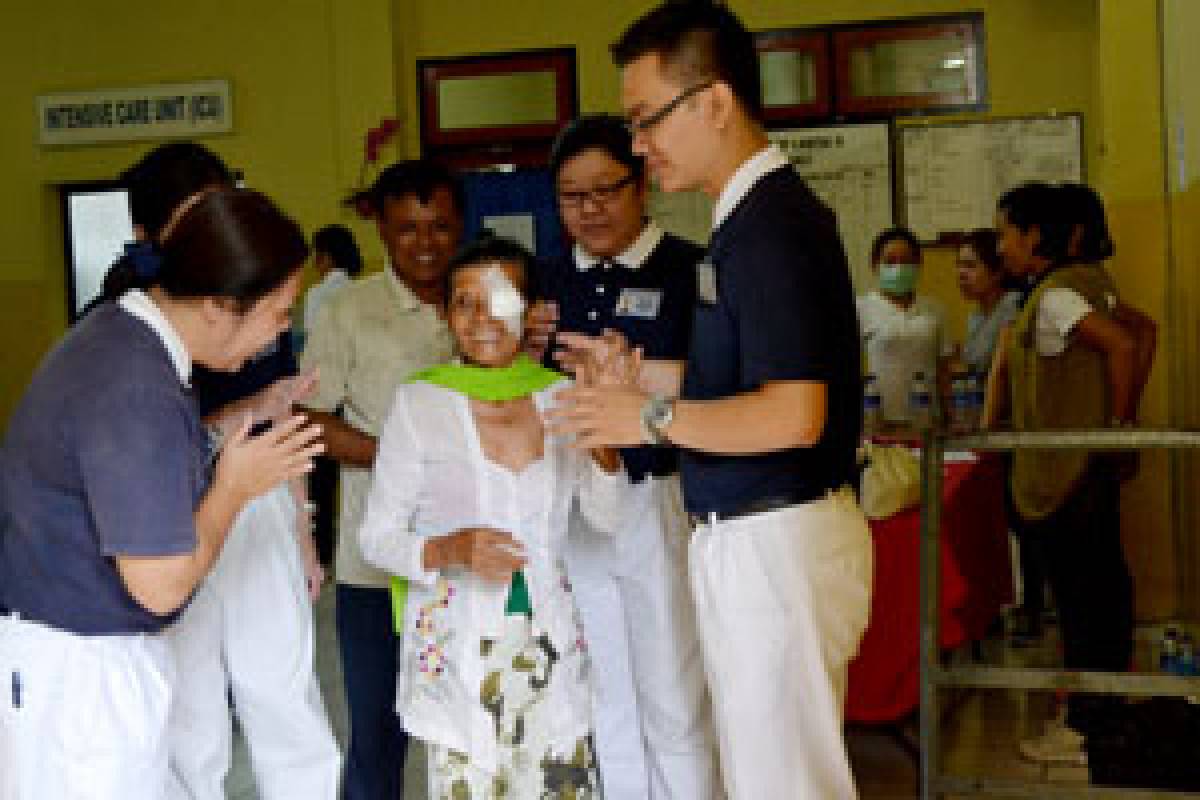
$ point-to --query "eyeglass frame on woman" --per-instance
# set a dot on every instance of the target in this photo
(649, 121)
(600, 195)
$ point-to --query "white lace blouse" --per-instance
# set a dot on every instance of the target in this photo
(432, 478)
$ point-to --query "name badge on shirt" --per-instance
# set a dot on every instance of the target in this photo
(641, 303)
(706, 282)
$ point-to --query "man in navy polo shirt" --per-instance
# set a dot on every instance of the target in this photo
(767, 414)
(653, 723)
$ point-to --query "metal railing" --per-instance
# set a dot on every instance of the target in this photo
(934, 676)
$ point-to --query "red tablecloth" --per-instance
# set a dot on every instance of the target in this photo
(976, 583)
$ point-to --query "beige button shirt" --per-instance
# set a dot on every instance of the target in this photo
(366, 340)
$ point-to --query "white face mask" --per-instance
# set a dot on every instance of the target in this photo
(505, 303)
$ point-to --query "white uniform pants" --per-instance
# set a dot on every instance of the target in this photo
(652, 717)
(249, 629)
(782, 600)
(82, 717)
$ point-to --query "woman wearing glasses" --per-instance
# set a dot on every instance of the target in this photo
(653, 729)
(654, 735)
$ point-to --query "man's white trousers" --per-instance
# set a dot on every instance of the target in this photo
(782, 600)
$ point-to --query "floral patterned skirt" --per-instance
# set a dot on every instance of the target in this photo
(519, 665)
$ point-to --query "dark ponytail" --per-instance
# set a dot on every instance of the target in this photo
(158, 184)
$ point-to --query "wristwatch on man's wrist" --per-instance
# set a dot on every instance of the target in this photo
(657, 414)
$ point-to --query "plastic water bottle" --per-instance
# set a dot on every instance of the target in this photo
(1187, 656)
(976, 385)
(920, 403)
(961, 401)
(1168, 656)
(872, 405)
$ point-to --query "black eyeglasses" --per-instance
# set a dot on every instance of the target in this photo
(600, 195)
(647, 122)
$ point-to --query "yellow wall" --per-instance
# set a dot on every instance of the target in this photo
(1182, 63)
(309, 77)
(1131, 177)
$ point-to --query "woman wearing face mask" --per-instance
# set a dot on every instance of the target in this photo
(114, 508)
(902, 331)
(983, 281)
(469, 504)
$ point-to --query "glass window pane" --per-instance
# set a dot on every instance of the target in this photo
(911, 67)
(99, 226)
(520, 98)
(789, 78)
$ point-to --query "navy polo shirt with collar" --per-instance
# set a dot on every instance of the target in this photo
(782, 309)
(648, 293)
(105, 456)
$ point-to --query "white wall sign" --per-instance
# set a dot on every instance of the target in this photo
(151, 112)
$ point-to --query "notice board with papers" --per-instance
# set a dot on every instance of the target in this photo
(952, 174)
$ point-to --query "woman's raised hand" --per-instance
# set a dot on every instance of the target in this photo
(605, 360)
(253, 465)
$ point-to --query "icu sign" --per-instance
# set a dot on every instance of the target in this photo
(119, 115)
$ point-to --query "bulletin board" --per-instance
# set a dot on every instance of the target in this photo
(953, 173)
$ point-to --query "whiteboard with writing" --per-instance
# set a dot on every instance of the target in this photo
(953, 173)
(848, 166)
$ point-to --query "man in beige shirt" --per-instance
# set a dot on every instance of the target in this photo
(365, 341)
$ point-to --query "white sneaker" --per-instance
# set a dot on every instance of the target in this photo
(1058, 745)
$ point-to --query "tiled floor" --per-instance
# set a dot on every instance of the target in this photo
(979, 734)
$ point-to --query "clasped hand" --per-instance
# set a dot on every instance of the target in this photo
(604, 407)
(491, 554)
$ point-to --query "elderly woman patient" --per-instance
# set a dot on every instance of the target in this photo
(469, 507)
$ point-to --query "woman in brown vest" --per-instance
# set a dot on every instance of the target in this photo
(1067, 363)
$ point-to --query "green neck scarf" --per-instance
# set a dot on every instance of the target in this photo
(521, 378)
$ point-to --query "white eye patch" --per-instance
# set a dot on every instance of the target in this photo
(505, 303)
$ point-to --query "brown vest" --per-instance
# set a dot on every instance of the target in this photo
(1064, 392)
